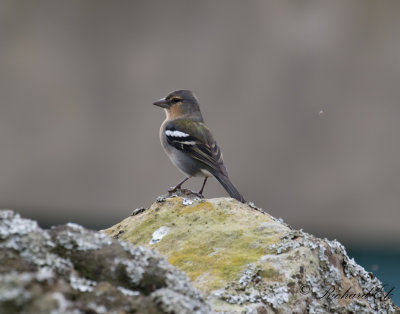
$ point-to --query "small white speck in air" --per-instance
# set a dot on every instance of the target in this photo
(321, 112)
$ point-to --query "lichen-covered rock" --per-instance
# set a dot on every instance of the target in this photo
(246, 261)
(69, 269)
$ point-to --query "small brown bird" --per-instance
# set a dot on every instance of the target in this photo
(189, 143)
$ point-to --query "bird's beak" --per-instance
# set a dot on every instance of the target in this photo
(161, 103)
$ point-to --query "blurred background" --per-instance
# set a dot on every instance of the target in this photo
(302, 96)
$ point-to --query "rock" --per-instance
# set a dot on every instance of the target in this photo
(246, 261)
(70, 269)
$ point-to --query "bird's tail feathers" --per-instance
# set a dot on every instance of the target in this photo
(229, 187)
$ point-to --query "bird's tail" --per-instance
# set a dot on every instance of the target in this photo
(229, 187)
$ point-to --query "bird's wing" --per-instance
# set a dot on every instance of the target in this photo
(195, 139)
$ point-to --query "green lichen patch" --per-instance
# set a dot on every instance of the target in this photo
(212, 241)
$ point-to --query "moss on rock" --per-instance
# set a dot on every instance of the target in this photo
(247, 261)
(213, 239)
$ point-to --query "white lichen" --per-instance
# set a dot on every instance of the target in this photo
(159, 234)
(309, 242)
(137, 211)
(316, 307)
(186, 202)
(315, 284)
(284, 246)
(12, 287)
(128, 292)
(45, 274)
(81, 284)
(63, 303)
(100, 309)
(247, 276)
(322, 255)
(333, 276)
(161, 199)
(169, 301)
(12, 224)
(76, 237)
(277, 296)
(133, 269)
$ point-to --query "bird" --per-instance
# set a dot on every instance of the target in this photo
(189, 143)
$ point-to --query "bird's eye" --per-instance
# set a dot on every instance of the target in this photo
(175, 100)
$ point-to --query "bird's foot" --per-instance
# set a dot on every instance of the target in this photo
(183, 192)
(199, 195)
(173, 189)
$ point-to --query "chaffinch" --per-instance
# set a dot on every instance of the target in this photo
(189, 143)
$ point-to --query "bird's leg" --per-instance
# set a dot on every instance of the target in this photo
(178, 186)
(202, 187)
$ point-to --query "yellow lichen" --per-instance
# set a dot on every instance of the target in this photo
(206, 240)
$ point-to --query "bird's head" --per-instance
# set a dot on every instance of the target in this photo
(179, 103)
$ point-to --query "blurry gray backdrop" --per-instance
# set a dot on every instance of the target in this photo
(302, 96)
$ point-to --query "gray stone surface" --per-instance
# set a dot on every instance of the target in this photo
(69, 269)
(240, 258)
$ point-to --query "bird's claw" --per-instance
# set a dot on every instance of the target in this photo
(199, 195)
(181, 192)
(173, 189)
